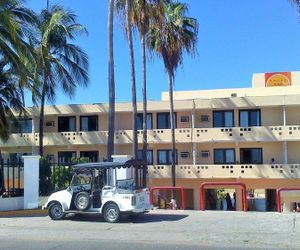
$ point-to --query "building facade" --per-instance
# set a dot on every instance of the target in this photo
(248, 135)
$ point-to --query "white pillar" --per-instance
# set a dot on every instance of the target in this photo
(193, 127)
(283, 116)
(31, 181)
(285, 147)
(285, 152)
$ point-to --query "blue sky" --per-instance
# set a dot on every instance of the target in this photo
(236, 39)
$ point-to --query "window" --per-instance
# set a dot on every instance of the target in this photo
(66, 157)
(140, 121)
(224, 156)
(251, 155)
(223, 119)
(163, 120)
(250, 118)
(22, 126)
(66, 124)
(164, 157)
(89, 123)
(149, 156)
(92, 155)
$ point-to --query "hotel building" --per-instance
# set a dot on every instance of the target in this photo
(246, 135)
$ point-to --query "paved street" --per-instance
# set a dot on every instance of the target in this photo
(156, 230)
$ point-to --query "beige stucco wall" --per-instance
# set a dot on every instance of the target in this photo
(293, 115)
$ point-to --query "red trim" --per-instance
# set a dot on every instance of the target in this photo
(278, 191)
(205, 185)
(168, 188)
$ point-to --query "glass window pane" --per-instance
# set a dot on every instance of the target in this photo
(162, 157)
(25, 126)
(139, 121)
(218, 119)
(256, 156)
(93, 123)
(149, 121)
(254, 118)
(161, 121)
(228, 119)
(219, 156)
(72, 124)
(230, 156)
(84, 124)
(150, 157)
(244, 119)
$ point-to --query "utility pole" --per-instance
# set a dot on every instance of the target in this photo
(47, 5)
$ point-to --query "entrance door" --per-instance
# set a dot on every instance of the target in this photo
(271, 199)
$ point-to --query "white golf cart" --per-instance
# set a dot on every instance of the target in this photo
(108, 188)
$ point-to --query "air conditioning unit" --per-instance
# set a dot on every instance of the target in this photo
(185, 154)
(204, 118)
(205, 154)
(50, 124)
(184, 119)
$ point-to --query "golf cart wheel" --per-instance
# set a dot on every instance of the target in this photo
(55, 211)
(82, 201)
(111, 213)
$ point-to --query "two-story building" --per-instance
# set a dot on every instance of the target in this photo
(248, 135)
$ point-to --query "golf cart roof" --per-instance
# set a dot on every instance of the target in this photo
(107, 165)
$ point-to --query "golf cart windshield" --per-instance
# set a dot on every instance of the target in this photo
(125, 184)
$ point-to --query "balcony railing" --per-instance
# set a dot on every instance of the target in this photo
(182, 135)
(261, 133)
(274, 171)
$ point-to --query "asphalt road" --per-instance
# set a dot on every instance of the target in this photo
(157, 230)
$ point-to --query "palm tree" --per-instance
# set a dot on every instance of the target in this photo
(15, 55)
(10, 98)
(15, 22)
(170, 38)
(126, 8)
(132, 76)
(59, 63)
(296, 2)
(111, 82)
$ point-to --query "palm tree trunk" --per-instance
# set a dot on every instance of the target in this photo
(172, 123)
(144, 106)
(42, 114)
(111, 83)
(132, 77)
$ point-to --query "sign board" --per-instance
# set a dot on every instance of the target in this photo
(278, 79)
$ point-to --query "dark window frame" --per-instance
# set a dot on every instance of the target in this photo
(249, 116)
(169, 161)
(89, 151)
(149, 150)
(63, 117)
(223, 118)
(61, 152)
(20, 121)
(261, 154)
(224, 155)
(166, 113)
(141, 114)
(89, 116)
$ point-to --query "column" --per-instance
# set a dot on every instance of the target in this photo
(31, 181)
(193, 127)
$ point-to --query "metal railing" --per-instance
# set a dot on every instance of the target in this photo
(11, 178)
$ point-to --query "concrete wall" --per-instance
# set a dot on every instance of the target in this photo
(9, 204)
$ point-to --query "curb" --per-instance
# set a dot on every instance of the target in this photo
(24, 213)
